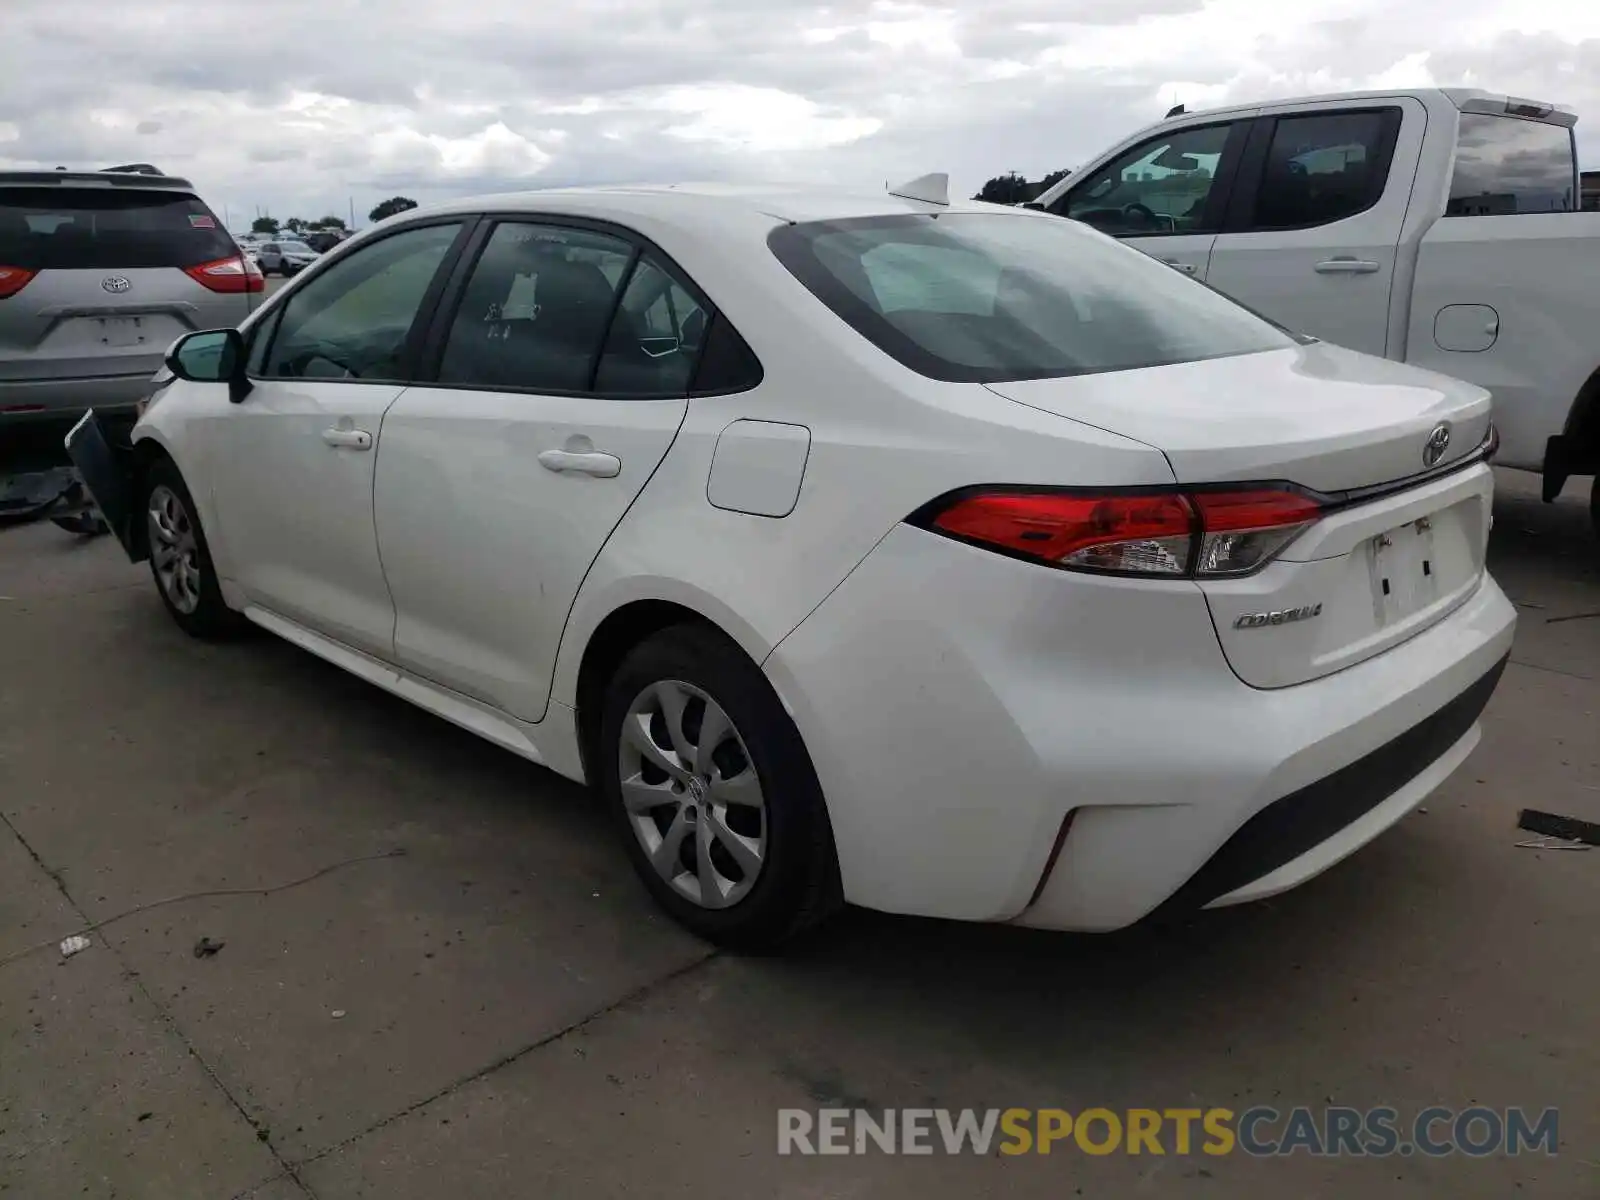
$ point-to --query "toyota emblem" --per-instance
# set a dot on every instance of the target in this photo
(115, 284)
(1438, 442)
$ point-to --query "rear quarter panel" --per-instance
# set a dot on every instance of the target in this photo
(883, 442)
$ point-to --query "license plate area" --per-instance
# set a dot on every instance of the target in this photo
(1413, 566)
(121, 332)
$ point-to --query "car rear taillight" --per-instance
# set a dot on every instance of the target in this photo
(236, 273)
(1242, 530)
(13, 280)
(1183, 534)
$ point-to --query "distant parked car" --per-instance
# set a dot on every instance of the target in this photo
(286, 256)
(100, 271)
(323, 240)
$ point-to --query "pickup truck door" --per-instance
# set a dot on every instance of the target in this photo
(1315, 215)
(1165, 194)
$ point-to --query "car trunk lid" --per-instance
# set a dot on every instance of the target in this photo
(1319, 416)
(1401, 541)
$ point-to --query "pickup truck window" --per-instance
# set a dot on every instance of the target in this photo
(1506, 166)
(1161, 186)
(970, 297)
(1324, 167)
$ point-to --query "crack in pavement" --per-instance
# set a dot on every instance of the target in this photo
(1533, 666)
(131, 977)
(631, 997)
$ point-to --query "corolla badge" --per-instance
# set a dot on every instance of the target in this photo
(1279, 616)
(115, 284)
(1438, 442)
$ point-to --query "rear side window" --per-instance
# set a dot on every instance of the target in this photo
(57, 228)
(1506, 166)
(655, 337)
(983, 298)
(1324, 167)
(536, 309)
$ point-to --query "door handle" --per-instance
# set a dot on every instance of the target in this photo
(584, 462)
(1346, 266)
(1186, 268)
(348, 439)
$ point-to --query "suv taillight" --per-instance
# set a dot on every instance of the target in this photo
(1204, 533)
(13, 280)
(236, 273)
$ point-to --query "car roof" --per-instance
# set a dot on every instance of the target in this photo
(708, 204)
(117, 179)
(1465, 98)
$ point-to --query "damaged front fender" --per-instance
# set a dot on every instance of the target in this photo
(110, 475)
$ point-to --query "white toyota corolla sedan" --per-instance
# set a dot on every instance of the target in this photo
(930, 556)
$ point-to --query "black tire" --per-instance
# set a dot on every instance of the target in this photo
(797, 885)
(211, 619)
(1594, 507)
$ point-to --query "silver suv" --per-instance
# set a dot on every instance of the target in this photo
(100, 271)
(285, 255)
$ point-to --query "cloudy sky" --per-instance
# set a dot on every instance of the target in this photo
(300, 106)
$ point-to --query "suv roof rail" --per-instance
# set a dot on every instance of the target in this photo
(117, 177)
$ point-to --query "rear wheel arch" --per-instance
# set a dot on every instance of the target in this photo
(639, 651)
(608, 646)
(147, 452)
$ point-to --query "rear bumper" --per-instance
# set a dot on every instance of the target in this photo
(1307, 831)
(960, 707)
(30, 400)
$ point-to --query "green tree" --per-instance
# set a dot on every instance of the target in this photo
(264, 225)
(331, 222)
(1009, 188)
(395, 204)
(1012, 188)
(294, 225)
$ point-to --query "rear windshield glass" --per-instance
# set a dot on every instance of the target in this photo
(1506, 166)
(104, 228)
(984, 297)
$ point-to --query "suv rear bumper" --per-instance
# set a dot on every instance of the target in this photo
(25, 400)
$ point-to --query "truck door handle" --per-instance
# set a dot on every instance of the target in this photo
(1186, 268)
(584, 462)
(1346, 266)
(348, 439)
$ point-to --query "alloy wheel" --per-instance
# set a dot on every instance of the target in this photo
(692, 795)
(174, 549)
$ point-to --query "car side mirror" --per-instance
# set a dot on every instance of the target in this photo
(211, 356)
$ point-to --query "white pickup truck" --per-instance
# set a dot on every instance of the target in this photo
(1432, 226)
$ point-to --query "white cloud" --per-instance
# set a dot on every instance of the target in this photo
(300, 105)
(760, 120)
